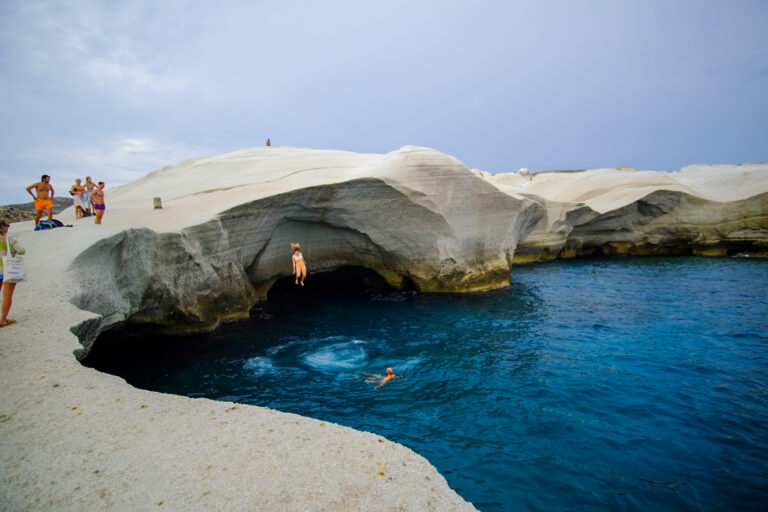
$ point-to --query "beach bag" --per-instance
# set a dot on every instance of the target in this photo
(48, 224)
(13, 269)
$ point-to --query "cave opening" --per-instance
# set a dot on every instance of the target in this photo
(349, 281)
(124, 349)
(746, 249)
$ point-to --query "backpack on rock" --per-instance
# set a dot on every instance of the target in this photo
(48, 224)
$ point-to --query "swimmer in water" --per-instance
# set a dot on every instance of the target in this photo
(299, 264)
(390, 375)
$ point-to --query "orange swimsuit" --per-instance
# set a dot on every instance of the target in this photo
(43, 204)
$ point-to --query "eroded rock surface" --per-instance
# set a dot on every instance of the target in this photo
(673, 223)
(708, 210)
(415, 217)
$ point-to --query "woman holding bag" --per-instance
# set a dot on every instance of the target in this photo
(8, 247)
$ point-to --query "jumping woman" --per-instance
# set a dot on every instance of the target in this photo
(299, 265)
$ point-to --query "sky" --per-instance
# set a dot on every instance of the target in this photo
(116, 89)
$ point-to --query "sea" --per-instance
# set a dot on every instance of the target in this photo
(586, 385)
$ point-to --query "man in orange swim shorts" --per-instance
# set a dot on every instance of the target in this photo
(44, 198)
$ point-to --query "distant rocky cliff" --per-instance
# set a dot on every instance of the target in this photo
(26, 211)
(674, 223)
(701, 210)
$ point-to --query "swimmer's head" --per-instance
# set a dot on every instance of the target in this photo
(389, 371)
(295, 246)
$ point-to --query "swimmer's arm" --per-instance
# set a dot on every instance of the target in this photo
(385, 380)
(52, 191)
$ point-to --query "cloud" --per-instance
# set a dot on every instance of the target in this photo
(88, 45)
(13, 187)
(130, 77)
(120, 161)
(115, 161)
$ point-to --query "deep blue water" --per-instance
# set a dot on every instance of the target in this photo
(602, 385)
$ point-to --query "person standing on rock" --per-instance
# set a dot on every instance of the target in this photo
(78, 192)
(97, 199)
(89, 186)
(42, 200)
(10, 247)
(299, 265)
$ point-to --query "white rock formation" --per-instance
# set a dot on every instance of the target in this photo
(415, 216)
(704, 209)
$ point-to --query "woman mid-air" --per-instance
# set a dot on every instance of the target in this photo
(299, 265)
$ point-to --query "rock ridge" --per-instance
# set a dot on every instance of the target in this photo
(406, 232)
(704, 210)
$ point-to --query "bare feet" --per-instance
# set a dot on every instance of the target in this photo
(7, 322)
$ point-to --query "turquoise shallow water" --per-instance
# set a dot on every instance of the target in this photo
(637, 384)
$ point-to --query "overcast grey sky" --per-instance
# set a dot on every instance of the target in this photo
(117, 89)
